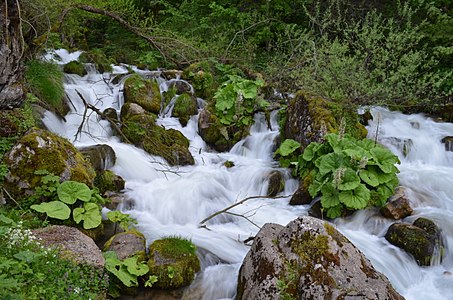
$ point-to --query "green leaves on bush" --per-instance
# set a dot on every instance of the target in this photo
(125, 221)
(127, 270)
(68, 193)
(236, 100)
(347, 173)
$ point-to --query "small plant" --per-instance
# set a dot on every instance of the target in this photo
(125, 221)
(237, 99)
(127, 270)
(347, 173)
(68, 194)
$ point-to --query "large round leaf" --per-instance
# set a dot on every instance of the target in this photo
(349, 181)
(329, 196)
(385, 159)
(288, 147)
(369, 176)
(357, 198)
(53, 209)
(70, 191)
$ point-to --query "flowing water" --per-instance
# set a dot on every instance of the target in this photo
(172, 201)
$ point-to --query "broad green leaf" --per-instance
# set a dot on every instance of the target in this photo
(117, 268)
(77, 214)
(349, 181)
(381, 176)
(329, 196)
(53, 209)
(225, 98)
(316, 186)
(369, 177)
(5, 220)
(134, 267)
(366, 144)
(329, 163)
(248, 89)
(334, 212)
(387, 190)
(310, 151)
(357, 198)
(288, 147)
(70, 191)
(151, 280)
(384, 159)
(356, 153)
(92, 217)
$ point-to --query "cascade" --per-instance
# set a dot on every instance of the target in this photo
(171, 201)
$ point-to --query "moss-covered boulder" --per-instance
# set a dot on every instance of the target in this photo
(185, 106)
(144, 92)
(308, 259)
(181, 86)
(131, 109)
(174, 261)
(202, 79)
(127, 244)
(421, 239)
(107, 181)
(15, 122)
(98, 58)
(75, 67)
(170, 144)
(308, 118)
(276, 183)
(39, 149)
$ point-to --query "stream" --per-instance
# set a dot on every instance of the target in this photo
(171, 201)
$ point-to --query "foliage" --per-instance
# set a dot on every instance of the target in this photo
(68, 196)
(347, 173)
(28, 270)
(125, 221)
(237, 99)
(287, 152)
(127, 270)
(45, 80)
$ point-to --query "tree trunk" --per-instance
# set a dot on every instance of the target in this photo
(11, 50)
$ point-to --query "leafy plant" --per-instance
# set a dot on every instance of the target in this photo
(125, 221)
(347, 173)
(127, 270)
(237, 99)
(287, 152)
(67, 195)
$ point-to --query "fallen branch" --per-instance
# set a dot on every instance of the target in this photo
(225, 210)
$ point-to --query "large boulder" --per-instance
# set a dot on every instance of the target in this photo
(143, 92)
(185, 106)
(127, 244)
(174, 261)
(308, 259)
(72, 244)
(40, 149)
(421, 239)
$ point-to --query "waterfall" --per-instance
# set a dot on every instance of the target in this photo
(171, 201)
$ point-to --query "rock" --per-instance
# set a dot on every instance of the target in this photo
(202, 79)
(15, 122)
(448, 141)
(127, 244)
(101, 156)
(173, 261)
(110, 113)
(75, 67)
(143, 92)
(129, 110)
(39, 149)
(276, 183)
(98, 58)
(300, 196)
(420, 242)
(185, 107)
(170, 144)
(72, 243)
(308, 259)
(403, 145)
(181, 86)
(398, 206)
(171, 74)
(109, 181)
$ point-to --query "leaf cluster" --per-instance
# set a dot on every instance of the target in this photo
(69, 196)
(127, 270)
(347, 173)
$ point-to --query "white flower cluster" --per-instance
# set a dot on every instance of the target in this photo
(19, 236)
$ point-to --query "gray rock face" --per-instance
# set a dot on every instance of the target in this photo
(73, 244)
(309, 259)
(127, 244)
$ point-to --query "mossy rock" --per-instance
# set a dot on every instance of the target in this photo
(109, 181)
(170, 144)
(131, 109)
(75, 67)
(174, 261)
(15, 122)
(185, 107)
(39, 149)
(276, 183)
(202, 79)
(101, 156)
(144, 92)
(127, 244)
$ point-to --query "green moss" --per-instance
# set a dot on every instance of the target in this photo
(174, 261)
(75, 67)
(185, 107)
(97, 57)
(144, 92)
(108, 181)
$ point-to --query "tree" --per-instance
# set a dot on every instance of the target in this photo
(11, 51)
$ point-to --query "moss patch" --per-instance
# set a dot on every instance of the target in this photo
(75, 67)
(185, 107)
(174, 261)
(144, 92)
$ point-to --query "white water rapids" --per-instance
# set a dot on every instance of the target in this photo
(169, 201)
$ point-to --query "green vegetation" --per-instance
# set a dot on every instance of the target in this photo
(61, 197)
(28, 270)
(347, 173)
(127, 270)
